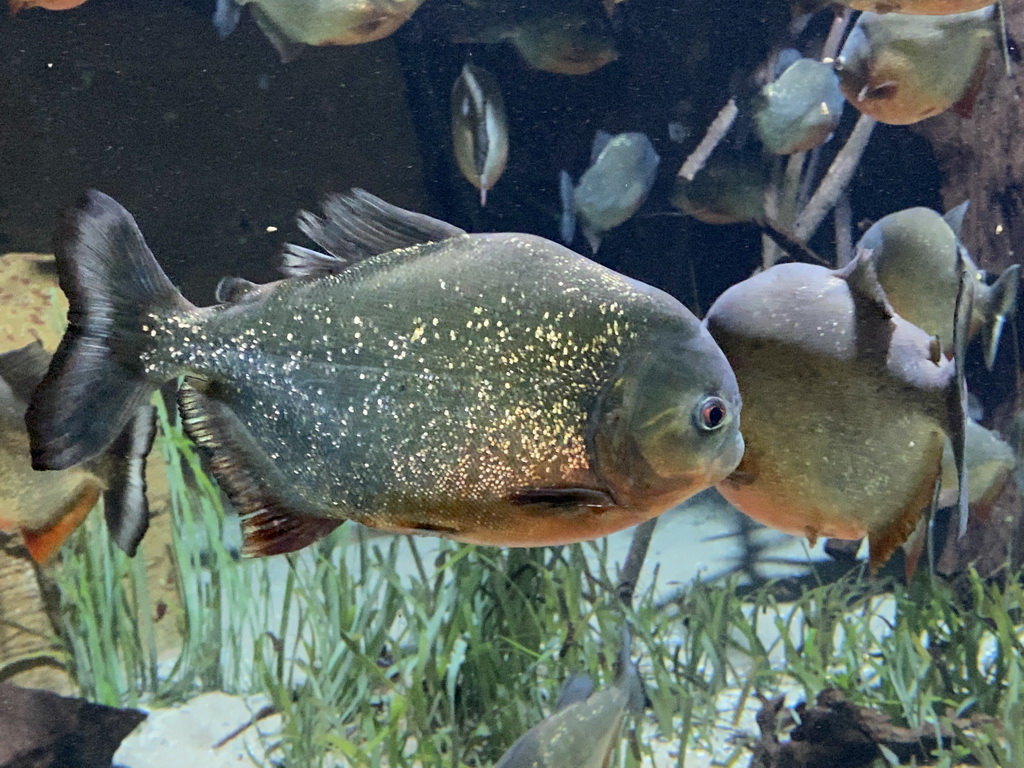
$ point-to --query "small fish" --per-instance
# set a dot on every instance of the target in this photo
(920, 7)
(568, 37)
(585, 727)
(498, 389)
(14, 6)
(990, 463)
(846, 408)
(46, 507)
(800, 109)
(916, 254)
(479, 128)
(729, 189)
(291, 25)
(901, 69)
(621, 174)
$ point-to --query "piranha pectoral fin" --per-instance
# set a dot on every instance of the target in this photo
(270, 525)
(43, 544)
(562, 497)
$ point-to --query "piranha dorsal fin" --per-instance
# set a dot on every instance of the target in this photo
(270, 525)
(954, 217)
(873, 315)
(359, 225)
(24, 368)
(124, 502)
(1000, 302)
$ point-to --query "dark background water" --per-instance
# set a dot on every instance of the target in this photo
(210, 142)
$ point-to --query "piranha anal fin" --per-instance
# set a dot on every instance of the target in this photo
(125, 507)
(270, 525)
(43, 544)
(562, 497)
(226, 16)
(882, 544)
(286, 48)
(359, 225)
(873, 324)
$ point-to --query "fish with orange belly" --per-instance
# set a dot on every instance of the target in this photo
(847, 406)
(47, 506)
(496, 389)
(14, 6)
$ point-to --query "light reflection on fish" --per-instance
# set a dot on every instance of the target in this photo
(621, 173)
(846, 408)
(585, 727)
(800, 109)
(479, 128)
(916, 254)
(494, 388)
(291, 25)
(901, 69)
(46, 507)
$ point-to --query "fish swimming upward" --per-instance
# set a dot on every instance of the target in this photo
(479, 128)
(492, 388)
(47, 506)
(585, 727)
(847, 406)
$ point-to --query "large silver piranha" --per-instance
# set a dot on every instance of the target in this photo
(492, 388)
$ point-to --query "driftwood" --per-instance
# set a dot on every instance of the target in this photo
(837, 734)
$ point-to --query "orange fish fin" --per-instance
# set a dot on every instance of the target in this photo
(881, 545)
(270, 525)
(965, 106)
(914, 548)
(43, 544)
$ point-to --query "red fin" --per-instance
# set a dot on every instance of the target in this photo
(965, 106)
(914, 548)
(882, 543)
(43, 544)
(275, 531)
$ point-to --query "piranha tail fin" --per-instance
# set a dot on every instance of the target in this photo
(97, 379)
(568, 228)
(124, 502)
(1000, 302)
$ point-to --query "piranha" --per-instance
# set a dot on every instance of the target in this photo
(920, 7)
(901, 69)
(916, 253)
(479, 128)
(990, 463)
(46, 507)
(14, 6)
(729, 189)
(291, 25)
(584, 729)
(621, 174)
(846, 405)
(492, 388)
(800, 109)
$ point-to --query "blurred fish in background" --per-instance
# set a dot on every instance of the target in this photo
(728, 189)
(621, 173)
(800, 109)
(14, 6)
(901, 68)
(925, 7)
(990, 463)
(292, 25)
(585, 727)
(479, 128)
(46, 507)
(916, 253)
(846, 408)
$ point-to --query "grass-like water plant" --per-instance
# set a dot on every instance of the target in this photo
(401, 652)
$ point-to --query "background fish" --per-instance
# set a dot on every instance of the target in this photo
(729, 189)
(800, 109)
(479, 128)
(916, 254)
(293, 24)
(928, 7)
(901, 69)
(845, 411)
(495, 389)
(990, 463)
(47, 506)
(51, 5)
(621, 174)
(585, 727)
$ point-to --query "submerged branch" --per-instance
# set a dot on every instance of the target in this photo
(716, 132)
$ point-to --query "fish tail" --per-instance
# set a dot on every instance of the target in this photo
(97, 379)
(568, 228)
(1000, 302)
(124, 502)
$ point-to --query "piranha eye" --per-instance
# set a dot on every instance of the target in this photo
(711, 414)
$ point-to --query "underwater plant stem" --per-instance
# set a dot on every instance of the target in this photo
(843, 218)
(630, 572)
(830, 49)
(716, 132)
(836, 179)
